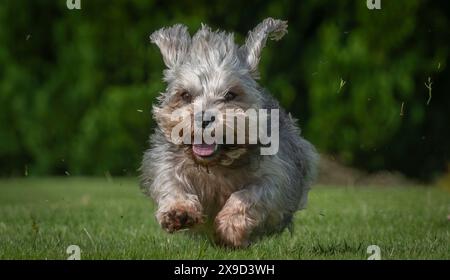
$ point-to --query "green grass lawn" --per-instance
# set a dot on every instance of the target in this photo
(40, 218)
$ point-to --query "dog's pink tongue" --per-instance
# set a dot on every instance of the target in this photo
(203, 150)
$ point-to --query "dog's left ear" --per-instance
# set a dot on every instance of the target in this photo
(173, 42)
(273, 29)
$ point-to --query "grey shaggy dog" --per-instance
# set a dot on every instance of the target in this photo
(230, 192)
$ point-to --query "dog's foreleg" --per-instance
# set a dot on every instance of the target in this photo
(177, 209)
(245, 211)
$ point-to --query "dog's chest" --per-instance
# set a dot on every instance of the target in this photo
(213, 187)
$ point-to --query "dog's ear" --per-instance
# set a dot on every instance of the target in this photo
(173, 42)
(273, 29)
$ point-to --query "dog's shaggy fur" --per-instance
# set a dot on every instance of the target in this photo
(237, 194)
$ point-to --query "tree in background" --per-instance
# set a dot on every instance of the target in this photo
(76, 86)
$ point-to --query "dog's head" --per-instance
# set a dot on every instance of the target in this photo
(207, 76)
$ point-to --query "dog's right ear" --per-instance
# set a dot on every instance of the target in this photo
(173, 42)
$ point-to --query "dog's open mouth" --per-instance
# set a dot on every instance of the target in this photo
(204, 150)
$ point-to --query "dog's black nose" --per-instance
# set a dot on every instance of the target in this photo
(204, 119)
(205, 123)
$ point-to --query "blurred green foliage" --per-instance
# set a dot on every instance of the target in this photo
(76, 86)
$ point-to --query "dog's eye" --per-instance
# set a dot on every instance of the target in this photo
(230, 96)
(186, 96)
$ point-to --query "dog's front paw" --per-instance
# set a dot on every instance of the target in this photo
(180, 216)
(233, 230)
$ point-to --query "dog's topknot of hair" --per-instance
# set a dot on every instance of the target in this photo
(216, 47)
